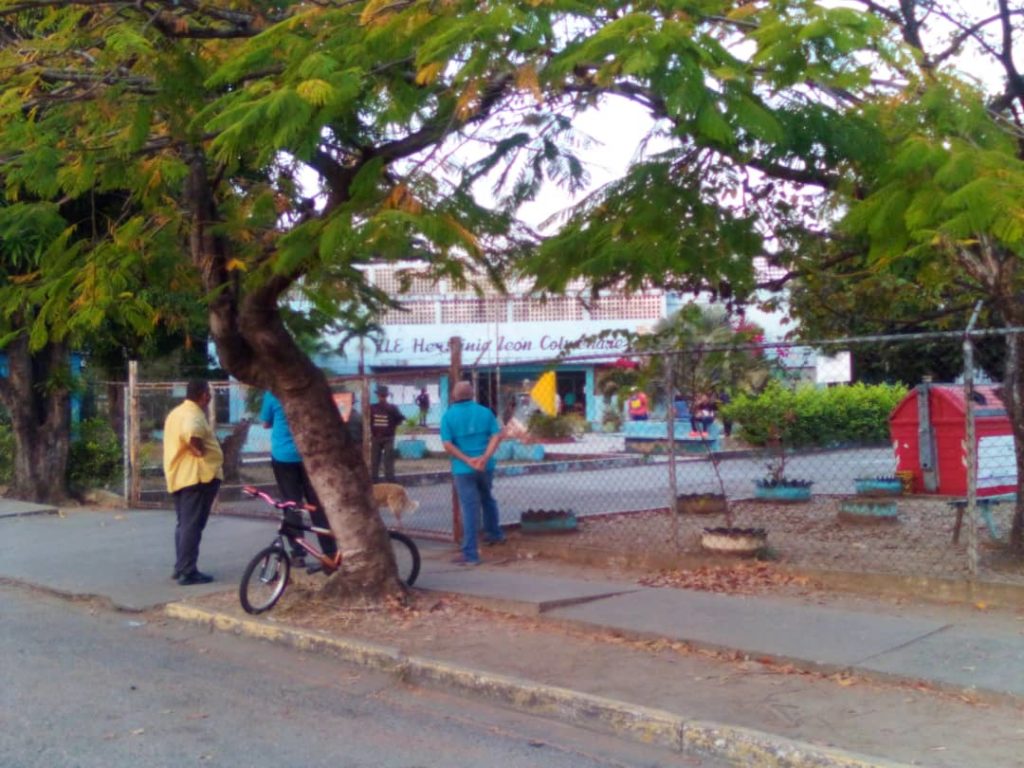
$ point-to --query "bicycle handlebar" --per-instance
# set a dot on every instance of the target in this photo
(250, 490)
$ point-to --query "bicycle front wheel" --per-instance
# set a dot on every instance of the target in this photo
(407, 557)
(264, 580)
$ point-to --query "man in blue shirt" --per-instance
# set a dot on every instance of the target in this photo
(290, 475)
(470, 435)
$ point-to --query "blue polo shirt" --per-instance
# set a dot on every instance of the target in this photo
(282, 445)
(469, 427)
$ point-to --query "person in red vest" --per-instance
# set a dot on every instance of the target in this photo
(637, 405)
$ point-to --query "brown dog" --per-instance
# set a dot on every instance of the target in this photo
(394, 497)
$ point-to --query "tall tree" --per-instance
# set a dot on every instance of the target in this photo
(936, 228)
(53, 301)
(215, 118)
(713, 353)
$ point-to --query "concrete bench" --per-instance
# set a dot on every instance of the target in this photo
(984, 506)
(653, 435)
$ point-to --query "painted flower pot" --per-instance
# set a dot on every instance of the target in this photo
(411, 448)
(505, 450)
(878, 486)
(547, 521)
(739, 542)
(871, 512)
(534, 452)
(701, 504)
(786, 493)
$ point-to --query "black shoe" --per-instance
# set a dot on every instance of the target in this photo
(194, 578)
(495, 542)
(315, 567)
(299, 560)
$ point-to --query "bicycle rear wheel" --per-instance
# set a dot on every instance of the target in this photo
(264, 580)
(407, 557)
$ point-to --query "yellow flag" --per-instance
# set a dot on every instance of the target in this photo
(544, 393)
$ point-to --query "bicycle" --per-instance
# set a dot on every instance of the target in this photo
(266, 576)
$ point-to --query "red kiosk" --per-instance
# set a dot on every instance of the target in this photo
(929, 431)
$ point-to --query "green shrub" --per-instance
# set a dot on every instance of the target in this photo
(94, 456)
(547, 427)
(811, 416)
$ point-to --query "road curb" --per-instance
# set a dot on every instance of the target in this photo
(647, 725)
(31, 512)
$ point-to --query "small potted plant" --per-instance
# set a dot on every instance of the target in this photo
(868, 509)
(547, 521)
(739, 542)
(409, 446)
(776, 486)
(702, 504)
(886, 485)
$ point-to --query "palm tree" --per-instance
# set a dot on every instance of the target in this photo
(710, 358)
(361, 326)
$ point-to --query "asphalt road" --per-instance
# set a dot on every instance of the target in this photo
(84, 687)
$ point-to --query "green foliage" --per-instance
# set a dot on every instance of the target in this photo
(94, 458)
(810, 416)
(711, 353)
(611, 418)
(410, 426)
(542, 426)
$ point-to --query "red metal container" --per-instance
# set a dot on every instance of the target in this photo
(929, 431)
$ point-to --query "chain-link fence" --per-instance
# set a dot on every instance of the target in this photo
(927, 489)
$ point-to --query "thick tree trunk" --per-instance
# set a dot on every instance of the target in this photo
(36, 396)
(1013, 396)
(256, 348)
(996, 270)
(232, 446)
(334, 463)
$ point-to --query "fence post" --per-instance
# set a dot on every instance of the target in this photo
(670, 411)
(134, 435)
(971, 449)
(454, 376)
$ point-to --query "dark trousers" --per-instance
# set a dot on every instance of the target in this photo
(192, 506)
(701, 423)
(382, 451)
(294, 485)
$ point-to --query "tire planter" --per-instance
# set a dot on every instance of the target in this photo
(738, 542)
(701, 504)
(411, 448)
(878, 486)
(783, 493)
(547, 521)
(868, 512)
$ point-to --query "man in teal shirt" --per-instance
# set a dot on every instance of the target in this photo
(470, 435)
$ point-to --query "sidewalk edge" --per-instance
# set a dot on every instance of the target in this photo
(647, 725)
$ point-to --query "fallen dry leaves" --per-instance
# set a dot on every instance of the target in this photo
(749, 578)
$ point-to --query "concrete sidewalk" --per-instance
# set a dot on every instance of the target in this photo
(126, 558)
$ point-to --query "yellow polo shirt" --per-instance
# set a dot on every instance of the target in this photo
(181, 467)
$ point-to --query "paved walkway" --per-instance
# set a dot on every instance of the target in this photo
(126, 557)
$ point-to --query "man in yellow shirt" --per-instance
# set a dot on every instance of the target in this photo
(193, 466)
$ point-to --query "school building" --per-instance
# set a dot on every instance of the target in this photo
(507, 340)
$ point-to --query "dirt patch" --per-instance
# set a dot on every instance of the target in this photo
(811, 535)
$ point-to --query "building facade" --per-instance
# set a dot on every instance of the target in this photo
(508, 340)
